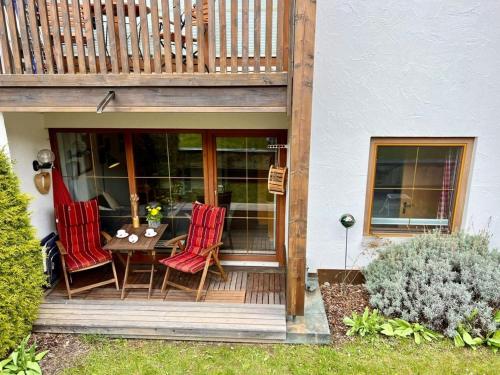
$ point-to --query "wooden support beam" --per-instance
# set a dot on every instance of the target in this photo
(301, 111)
(144, 99)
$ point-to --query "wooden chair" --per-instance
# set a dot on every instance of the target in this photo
(80, 243)
(201, 247)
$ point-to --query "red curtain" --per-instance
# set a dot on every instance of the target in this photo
(61, 193)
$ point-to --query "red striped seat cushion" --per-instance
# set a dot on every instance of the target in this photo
(79, 231)
(186, 262)
(77, 261)
(206, 227)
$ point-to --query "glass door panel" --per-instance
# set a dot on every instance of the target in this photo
(169, 172)
(242, 169)
(93, 166)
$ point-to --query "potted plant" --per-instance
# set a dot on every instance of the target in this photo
(154, 216)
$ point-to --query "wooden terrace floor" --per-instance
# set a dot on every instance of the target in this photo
(244, 285)
(249, 307)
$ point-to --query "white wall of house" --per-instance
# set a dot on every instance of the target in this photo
(408, 68)
(27, 133)
(4, 143)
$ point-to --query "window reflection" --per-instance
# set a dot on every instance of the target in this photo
(415, 187)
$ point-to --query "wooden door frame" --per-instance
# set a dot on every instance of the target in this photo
(209, 171)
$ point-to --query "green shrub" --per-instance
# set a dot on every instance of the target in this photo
(438, 280)
(21, 270)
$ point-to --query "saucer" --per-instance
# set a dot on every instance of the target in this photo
(150, 235)
(133, 239)
(122, 235)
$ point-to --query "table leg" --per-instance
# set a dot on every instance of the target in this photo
(153, 254)
(125, 277)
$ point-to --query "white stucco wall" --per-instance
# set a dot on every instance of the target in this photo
(4, 143)
(27, 135)
(399, 68)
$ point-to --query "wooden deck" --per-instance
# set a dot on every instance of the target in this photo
(248, 307)
(244, 285)
(165, 320)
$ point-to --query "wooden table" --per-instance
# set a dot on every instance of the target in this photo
(145, 244)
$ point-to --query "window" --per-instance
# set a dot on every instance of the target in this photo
(94, 166)
(169, 171)
(416, 184)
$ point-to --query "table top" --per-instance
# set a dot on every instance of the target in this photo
(143, 244)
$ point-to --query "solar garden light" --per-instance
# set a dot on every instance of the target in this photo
(347, 221)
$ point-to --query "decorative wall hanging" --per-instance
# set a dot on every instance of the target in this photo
(276, 181)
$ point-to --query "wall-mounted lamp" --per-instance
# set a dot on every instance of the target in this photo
(45, 160)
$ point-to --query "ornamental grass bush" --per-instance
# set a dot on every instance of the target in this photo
(21, 270)
(438, 280)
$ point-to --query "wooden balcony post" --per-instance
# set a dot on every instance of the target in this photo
(301, 110)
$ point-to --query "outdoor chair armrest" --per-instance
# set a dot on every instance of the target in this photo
(209, 249)
(61, 248)
(174, 240)
(106, 236)
(176, 243)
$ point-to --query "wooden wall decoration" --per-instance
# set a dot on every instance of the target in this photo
(276, 182)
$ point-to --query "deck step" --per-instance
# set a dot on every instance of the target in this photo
(205, 321)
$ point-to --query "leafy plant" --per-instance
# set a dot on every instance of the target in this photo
(366, 324)
(402, 328)
(21, 267)
(463, 336)
(23, 360)
(437, 279)
(493, 341)
(154, 213)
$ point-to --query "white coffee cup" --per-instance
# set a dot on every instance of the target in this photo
(150, 232)
(121, 232)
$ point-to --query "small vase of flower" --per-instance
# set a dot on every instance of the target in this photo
(154, 216)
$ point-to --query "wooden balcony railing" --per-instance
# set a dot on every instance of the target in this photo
(143, 36)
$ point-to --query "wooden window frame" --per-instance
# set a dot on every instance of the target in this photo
(209, 170)
(462, 182)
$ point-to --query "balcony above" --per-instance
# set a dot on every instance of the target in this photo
(160, 54)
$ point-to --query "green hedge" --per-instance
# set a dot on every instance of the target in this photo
(21, 269)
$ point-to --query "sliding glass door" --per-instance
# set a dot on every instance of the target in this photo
(242, 170)
(175, 169)
(169, 172)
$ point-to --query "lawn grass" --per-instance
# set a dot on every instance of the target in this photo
(379, 356)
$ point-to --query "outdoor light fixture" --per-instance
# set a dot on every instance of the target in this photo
(45, 159)
(347, 221)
